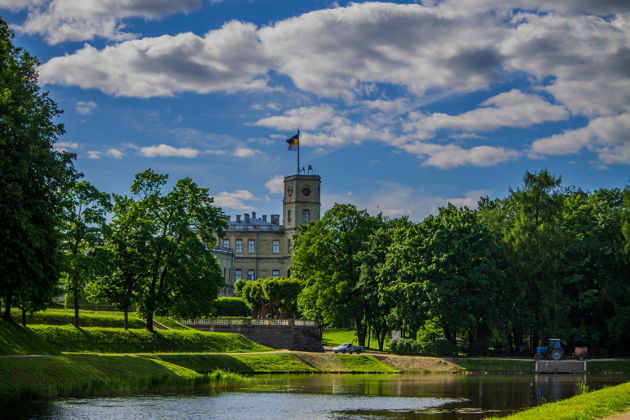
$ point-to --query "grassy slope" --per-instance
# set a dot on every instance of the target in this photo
(82, 374)
(592, 405)
(86, 318)
(116, 340)
(15, 339)
(295, 362)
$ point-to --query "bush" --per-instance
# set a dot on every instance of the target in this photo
(232, 306)
(436, 348)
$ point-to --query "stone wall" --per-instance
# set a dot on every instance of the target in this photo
(277, 334)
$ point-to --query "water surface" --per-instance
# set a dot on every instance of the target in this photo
(435, 396)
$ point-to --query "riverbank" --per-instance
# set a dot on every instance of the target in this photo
(74, 375)
(592, 405)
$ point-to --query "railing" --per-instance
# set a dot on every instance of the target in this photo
(255, 228)
(249, 321)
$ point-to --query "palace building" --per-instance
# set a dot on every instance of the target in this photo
(256, 247)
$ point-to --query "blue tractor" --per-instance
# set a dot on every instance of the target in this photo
(553, 350)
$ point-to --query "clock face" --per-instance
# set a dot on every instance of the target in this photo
(306, 190)
(290, 191)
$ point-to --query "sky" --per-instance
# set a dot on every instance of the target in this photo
(402, 106)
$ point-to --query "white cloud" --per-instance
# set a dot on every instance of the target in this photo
(334, 52)
(93, 154)
(85, 107)
(64, 146)
(226, 59)
(609, 137)
(508, 109)
(114, 153)
(234, 200)
(449, 156)
(275, 185)
(305, 118)
(72, 20)
(604, 7)
(164, 150)
(244, 152)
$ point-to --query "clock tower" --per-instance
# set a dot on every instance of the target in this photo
(301, 202)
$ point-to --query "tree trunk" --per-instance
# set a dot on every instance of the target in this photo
(75, 301)
(23, 318)
(126, 312)
(150, 322)
(6, 315)
(360, 331)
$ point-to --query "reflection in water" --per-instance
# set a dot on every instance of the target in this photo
(448, 396)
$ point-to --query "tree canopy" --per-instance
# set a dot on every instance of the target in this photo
(31, 173)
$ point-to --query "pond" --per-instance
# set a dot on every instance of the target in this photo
(447, 396)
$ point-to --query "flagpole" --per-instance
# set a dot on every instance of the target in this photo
(298, 157)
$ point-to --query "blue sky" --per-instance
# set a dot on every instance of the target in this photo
(402, 106)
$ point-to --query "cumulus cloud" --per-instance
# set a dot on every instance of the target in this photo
(508, 109)
(164, 150)
(331, 52)
(244, 152)
(450, 155)
(306, 118)
(72, 20)
(64, 146)
(226, 59)
(94, 154)
(234, 200)
(114, 153)
(85, 107)
(609, 137)
(275, 185)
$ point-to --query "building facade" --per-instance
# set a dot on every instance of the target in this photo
(256, 247)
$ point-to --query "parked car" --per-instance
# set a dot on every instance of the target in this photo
(348, 348)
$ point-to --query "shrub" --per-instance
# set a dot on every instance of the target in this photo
(232, 306)
(434, 348)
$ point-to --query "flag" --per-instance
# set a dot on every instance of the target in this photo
(294, 142)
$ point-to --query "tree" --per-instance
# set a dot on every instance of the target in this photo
(324, 260)
(272, 297)
(180, 274)
(376, 280)
(82, 230)
(31, 173)
(535, 243)
(125, 253)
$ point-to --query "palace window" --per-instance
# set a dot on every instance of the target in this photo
(275, 247)
(306, 216)
(226, 243)
(251, 246)
(275, 273)
(250, 274)
(238, 274)
(238, 246)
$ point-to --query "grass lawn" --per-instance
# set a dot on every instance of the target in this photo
(295, 362)
(332, 337)
(116, 340)
(500, 365)
(25, 378)
(15, 339)
(592, 405)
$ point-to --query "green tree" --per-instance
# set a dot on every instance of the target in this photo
(125, 254)
(535, 243)
(324, 260)
(376, 280)
(457, 262)
(181, 276)
(31, 173)
(82, 229)
(272, 297)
